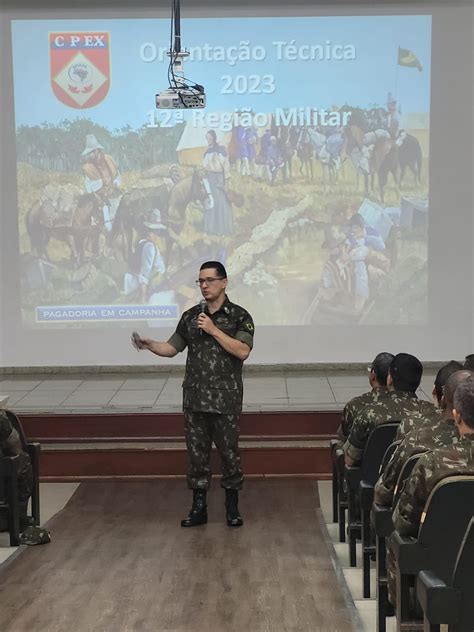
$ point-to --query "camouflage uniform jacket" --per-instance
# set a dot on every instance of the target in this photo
(432, 415)
(213, 378)
(432, 467)
(354, 407)
(391, 405)
(8, 436)
(8, 446)
(429, 437)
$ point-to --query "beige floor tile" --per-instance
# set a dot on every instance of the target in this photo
(100, 384)
(58, 385)
(15, 396)
(6, 386)
(151, 383)
(86, 398)
(135, 398)
(43, 400)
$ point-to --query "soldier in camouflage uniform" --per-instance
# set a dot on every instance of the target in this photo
(438, 464)
(10, 445)
(378, 373)
(399, 402)
(469, 362)
(432, 468)
(436, 434)
(219, 339)
(413, 423)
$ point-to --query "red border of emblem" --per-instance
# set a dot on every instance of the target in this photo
(64, 47)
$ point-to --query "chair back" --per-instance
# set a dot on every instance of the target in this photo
(389, 452)
(444, 522)
(379, 440)
(462, 578)
(405, 472)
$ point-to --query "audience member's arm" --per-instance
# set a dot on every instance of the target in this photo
(340, 433)
(407, 514)
(10, 441)
(355, 444)
(348, 460)
(11, 446)
(385, 486)
(346, 423)
(402, 430)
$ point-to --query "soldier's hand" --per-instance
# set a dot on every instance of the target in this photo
(206, 324)
(140, 343)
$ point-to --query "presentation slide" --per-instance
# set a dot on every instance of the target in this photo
(306, 174)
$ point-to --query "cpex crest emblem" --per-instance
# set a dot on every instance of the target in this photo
(80, 67)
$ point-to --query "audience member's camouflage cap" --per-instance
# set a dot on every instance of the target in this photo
(35, 535)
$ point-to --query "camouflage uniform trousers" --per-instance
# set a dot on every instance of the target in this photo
(201, 429)
(25, 478)
(392, 567)
(391, 564)
(25, 483)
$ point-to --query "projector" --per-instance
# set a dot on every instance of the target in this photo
(181, 98)
(182, 93)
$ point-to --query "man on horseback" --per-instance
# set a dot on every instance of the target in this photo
(393, 119)
(102, 178)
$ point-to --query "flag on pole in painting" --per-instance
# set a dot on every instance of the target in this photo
(409, 59)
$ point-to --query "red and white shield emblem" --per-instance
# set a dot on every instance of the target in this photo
(80, 67)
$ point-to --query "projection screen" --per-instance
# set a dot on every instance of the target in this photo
(329, 172)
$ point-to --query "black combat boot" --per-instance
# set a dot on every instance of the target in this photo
(232, 514)
(198, 513)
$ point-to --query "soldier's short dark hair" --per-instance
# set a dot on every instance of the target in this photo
(406, 372)
(217, 265)
(469, 362)
(464, 401)
(443, 375)
(454, 380)
(381, 365)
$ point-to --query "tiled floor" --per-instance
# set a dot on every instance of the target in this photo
(263, 390)
(367, 608)
(353, 576)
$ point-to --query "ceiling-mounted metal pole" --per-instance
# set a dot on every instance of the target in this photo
(177, 26)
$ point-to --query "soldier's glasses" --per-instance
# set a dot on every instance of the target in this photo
(207, 281)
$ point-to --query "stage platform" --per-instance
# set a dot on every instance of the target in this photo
(119, 425)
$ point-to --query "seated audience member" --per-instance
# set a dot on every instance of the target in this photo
(10, 445)
(435, 434)
(433, 466)
(398, 403)
(413, 423)
(469, 362)
(378, 372)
